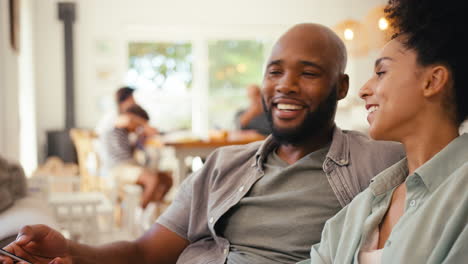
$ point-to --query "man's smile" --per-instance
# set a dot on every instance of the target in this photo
(286, 108)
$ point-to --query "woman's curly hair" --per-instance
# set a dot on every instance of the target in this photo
(438, 32)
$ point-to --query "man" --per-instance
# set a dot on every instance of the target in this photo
(123, 167)
(253, 118)
(257, 203)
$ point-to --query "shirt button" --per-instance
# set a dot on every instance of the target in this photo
(388, 243)
(225, 251)
(342, 161)
(412, 203)
(211, 220)
(241, 188)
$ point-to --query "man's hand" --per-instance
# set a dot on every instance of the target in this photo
(39, 244)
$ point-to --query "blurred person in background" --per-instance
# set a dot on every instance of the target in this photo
(120, 148)
(124, 99)
(254, 117)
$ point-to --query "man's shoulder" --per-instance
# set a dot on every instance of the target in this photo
(381, 153)
(361, 140)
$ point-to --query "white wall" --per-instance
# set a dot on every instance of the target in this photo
(113, 21)
(27, 91)
(9, 113)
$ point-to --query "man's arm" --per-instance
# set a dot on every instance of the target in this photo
(42, 244)
(158, 245)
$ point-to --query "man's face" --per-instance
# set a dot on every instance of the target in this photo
(300, 87)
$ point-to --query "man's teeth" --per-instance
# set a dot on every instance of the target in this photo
(289, 107)
(372, 109)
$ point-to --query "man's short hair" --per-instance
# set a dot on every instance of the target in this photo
(138, 111)
(123, 94)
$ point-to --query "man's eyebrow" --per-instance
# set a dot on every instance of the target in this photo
(379, 60)
(313, 64)
(303, 62)
(275, 62)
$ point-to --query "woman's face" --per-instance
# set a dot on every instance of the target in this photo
(393, 95)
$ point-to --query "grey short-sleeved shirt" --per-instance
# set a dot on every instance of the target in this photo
(229, 174)
(281, 195)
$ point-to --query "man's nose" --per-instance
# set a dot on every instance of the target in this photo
(287, 84)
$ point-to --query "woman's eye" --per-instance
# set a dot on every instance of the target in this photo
(380, 73)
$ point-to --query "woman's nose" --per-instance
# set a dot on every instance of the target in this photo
(365, 90)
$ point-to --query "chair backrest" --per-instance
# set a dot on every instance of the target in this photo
(77, 214)
(88, 161)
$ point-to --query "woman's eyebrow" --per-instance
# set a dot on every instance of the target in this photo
(379, 61)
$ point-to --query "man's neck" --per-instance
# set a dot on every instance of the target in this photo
(291, 153)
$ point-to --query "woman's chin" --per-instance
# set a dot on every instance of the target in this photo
(376, 133)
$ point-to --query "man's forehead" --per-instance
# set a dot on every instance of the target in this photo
(286, 51)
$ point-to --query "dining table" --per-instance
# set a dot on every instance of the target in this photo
(192, 147)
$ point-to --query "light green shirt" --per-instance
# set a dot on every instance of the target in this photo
(433, 228)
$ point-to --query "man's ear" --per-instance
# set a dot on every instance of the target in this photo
(437, 80)
(343, 86)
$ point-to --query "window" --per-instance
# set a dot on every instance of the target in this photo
(162, 74)
(233, 65)
(192, 79)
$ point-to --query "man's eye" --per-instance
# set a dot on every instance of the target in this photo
(273, 72)
(310, 74)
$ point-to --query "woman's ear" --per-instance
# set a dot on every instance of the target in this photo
(437, 80)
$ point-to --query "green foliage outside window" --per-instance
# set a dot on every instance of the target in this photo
(233, 65)
(159, 61)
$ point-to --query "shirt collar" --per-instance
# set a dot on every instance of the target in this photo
(389, 178)
(268, 145)
(339, 149)
(444, 163)
(433, 172)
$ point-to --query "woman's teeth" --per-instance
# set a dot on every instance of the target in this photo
(372, 109)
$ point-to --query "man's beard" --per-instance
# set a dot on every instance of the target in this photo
(313, 123)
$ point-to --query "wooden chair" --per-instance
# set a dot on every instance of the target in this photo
(88, 161)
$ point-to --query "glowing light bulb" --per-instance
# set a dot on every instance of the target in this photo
(348, 34)
(383, 23)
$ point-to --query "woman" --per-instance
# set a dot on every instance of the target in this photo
(417, 210)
